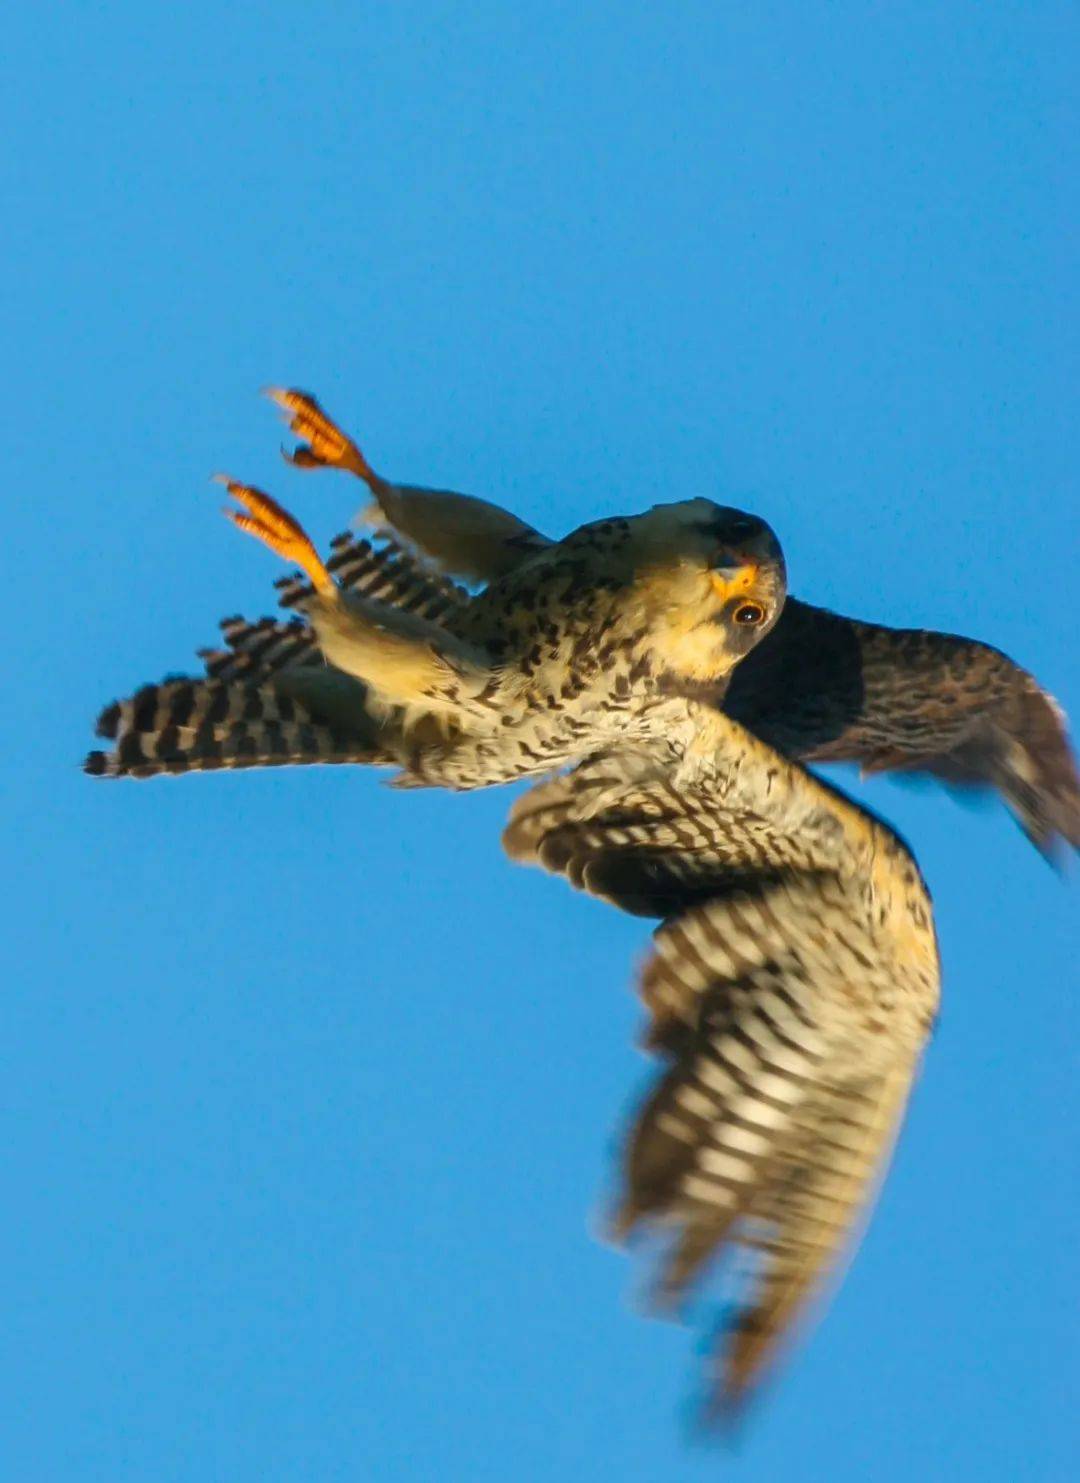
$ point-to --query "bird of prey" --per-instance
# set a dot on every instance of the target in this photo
(820, 688)
(794, 979)
(563, 654)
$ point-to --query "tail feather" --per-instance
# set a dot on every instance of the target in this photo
(260, 648)
(268, 698)
(196, 725)
(388, 574)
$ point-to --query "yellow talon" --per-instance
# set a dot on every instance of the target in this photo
(323, 444)
(268, 522)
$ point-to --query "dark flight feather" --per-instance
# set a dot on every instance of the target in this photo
(824, 688)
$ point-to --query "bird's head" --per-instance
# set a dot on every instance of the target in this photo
(710, 583)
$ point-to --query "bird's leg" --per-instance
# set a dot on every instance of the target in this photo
(407, 660)
(462, 535)
(322, 443)
(263, 518)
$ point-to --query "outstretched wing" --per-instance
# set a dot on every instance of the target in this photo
(267, 698)
(825, 688)
(791, 996)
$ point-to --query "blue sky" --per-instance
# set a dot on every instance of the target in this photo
(309, 1094)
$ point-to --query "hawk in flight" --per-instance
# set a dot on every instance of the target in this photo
(821, 688)
(564, 653)
(793, 980)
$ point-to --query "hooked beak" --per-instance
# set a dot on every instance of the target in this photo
(734, 577)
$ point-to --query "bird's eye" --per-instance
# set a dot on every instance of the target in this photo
(742, 525)
(749, 613)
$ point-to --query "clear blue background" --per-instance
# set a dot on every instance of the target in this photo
(308, 1093)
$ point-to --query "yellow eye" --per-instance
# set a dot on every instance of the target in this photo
(749, 613)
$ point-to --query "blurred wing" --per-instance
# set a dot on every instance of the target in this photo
(791, 1019)
(777, 1116)
(824, 688)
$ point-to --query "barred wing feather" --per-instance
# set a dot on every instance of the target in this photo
(791, 992)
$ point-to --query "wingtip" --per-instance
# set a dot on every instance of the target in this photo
(1053, 845)
(736, 1378)
(721, 1416)
(1044, 784)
